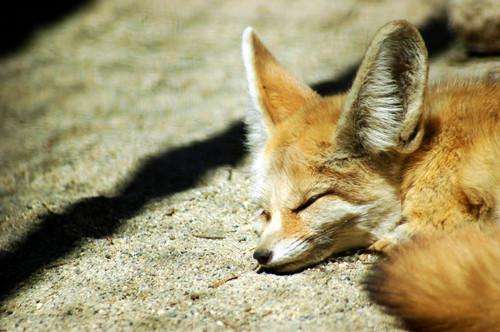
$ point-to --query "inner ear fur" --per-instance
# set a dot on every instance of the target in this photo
(383, 111)
(275, 93)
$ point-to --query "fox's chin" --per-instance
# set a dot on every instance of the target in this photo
(296, 265)
(287, 268)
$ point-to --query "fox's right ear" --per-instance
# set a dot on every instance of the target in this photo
(275, 93)
(384, 109)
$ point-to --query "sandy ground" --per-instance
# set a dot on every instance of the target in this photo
(124, 186)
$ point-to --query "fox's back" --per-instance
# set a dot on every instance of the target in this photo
(454, 177)
(464, 111)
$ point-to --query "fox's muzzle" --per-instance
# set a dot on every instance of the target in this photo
(263, 256)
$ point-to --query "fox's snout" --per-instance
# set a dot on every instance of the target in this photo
(263, 256)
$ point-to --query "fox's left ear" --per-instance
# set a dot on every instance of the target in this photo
(275, 93)
(383, 112)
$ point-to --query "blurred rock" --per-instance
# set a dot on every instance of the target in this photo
(477, 23)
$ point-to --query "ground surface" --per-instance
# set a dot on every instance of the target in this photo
(124, 186)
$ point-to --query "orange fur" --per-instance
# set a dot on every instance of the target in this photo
(443, 282)
(455, 172)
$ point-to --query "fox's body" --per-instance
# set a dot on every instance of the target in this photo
(391, 159)
(454, 177)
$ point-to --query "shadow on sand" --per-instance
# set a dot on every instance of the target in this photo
(96, 217)
(21, 19)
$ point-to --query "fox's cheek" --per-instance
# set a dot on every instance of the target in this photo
(333, 212)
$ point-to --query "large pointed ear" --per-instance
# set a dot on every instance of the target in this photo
(383, 111)
(275, 93)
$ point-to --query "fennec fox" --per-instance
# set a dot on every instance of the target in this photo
(394, 163)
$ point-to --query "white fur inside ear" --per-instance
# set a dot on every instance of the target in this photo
(384, 106)
(248, 51)
(393, 104)
(257, 134)
(381, 96)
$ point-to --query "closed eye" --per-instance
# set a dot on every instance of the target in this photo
(310, 201)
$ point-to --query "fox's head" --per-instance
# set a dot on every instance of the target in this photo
(327, 169)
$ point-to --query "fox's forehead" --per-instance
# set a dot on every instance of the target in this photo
(297, 150)
(288, 178)
(309, 132)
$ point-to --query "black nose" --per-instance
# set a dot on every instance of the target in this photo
(262, 256)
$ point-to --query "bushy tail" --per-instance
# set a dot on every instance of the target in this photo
(442, 282)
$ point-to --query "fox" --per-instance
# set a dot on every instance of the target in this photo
(396, 164)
